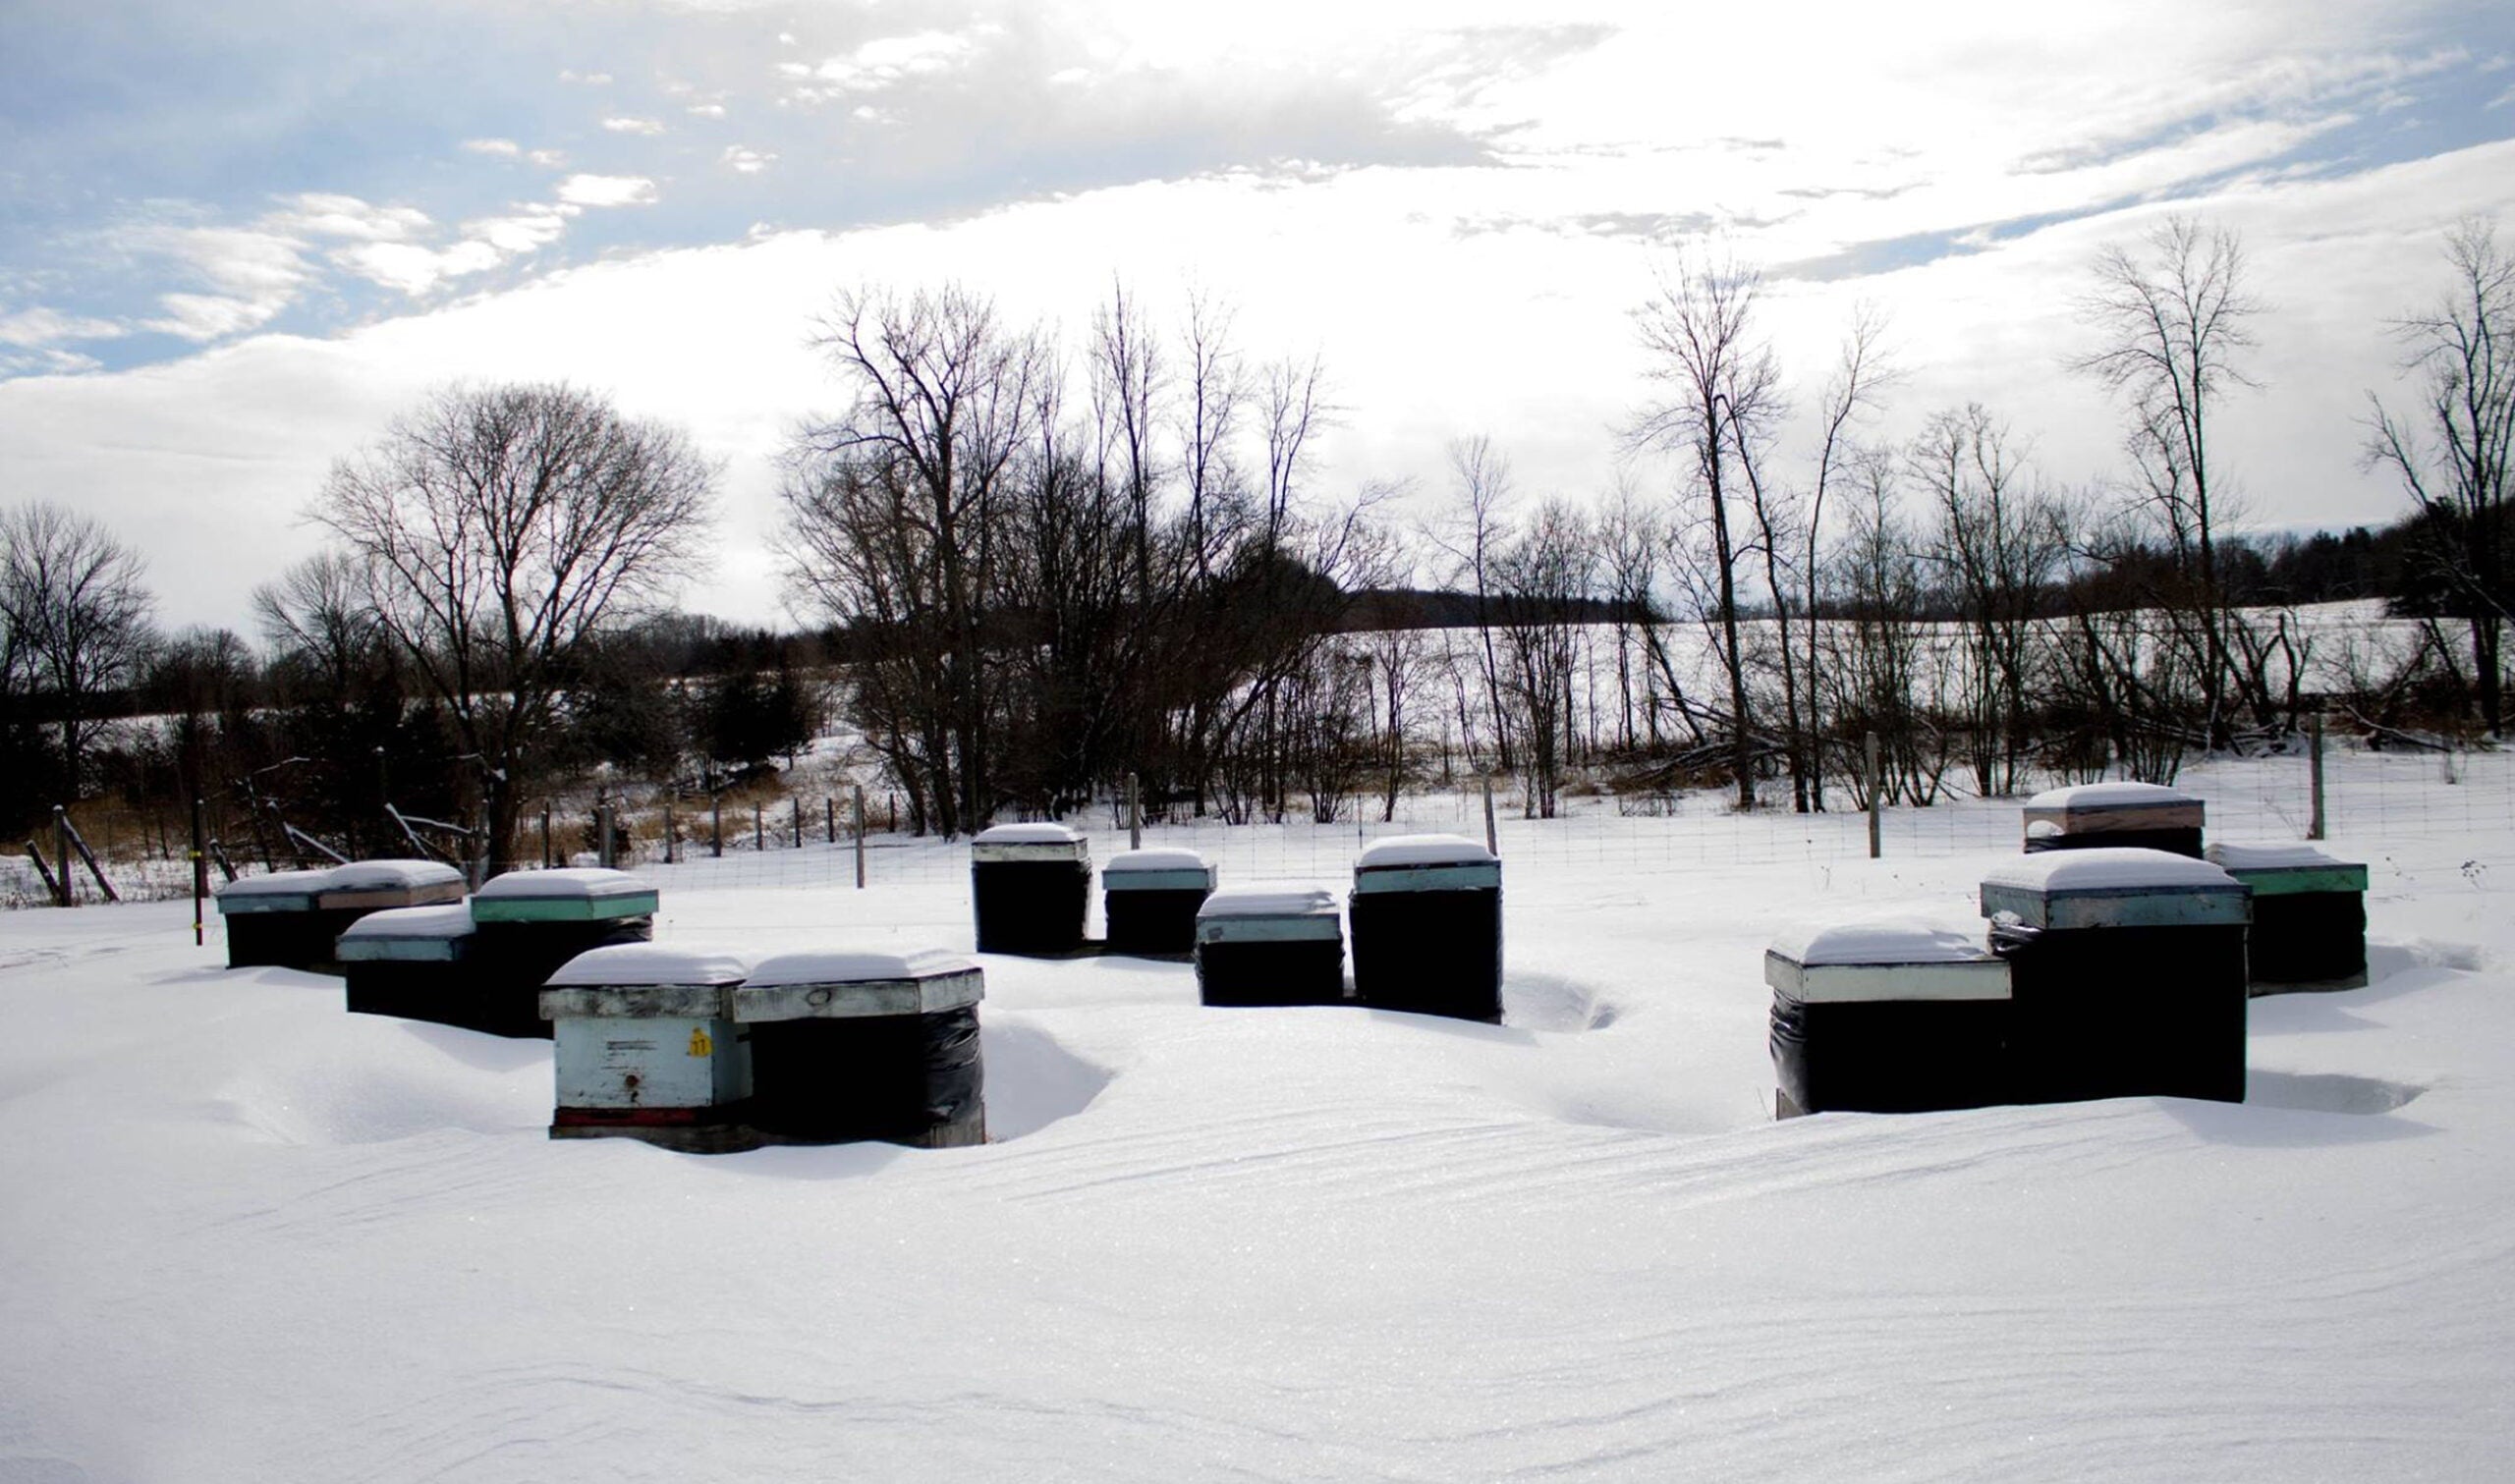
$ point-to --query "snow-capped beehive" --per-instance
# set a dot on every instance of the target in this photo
(272, 920)
(528, 923)
(646, 1046)
(410, 963)
(2308, 916)
(1150, 900)
(1427, 927)
(2126, 973)
(2114, 816)
(850, 1045)
(1030, 888)
(1278, 945)
(1887, 1017)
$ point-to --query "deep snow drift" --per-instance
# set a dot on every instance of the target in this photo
(248, 1237)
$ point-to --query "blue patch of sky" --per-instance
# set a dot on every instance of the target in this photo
(123, 129)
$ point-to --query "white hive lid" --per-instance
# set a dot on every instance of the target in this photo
(583, 882)
(1027, 834)
(1881, 940)
(390, 875)
(1269, 901)
(846, 966)
(645, 964)
(1422, 850)
(451, 919)
(2118, 868)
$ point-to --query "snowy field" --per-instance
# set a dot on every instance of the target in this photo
(248, 1237)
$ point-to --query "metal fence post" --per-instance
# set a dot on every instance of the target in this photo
(201, 866)
(1869, 749)
(2314, 771)
(860, 838)
(797, 800)
(716, 824)
(1493, 834)
(760, 827)
(61, 850)
(1135, 813)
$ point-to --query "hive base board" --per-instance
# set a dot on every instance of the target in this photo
(2260, 987)
(686, 1130)
(967, 1131)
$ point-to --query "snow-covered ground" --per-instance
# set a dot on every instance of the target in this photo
(248, 1237)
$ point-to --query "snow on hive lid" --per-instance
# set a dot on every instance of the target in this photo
(275, 882)
(642, 965)
(816, 984)
(1167, 859)
(1027, 834)
(273, 891)
(2114, 886)
(1269, 901)
(451, 919)
(1399, 851)
(1880, 940)
(583, 883)
(1038, 844)
(2108, 870)
(391, 875)
(575, 893)
(841, 965)
(2288, 869)
(2268, 857)
(2099, 796)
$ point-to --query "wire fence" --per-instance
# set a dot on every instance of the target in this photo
(2371, 801)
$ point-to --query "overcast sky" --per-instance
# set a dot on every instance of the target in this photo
(235, 239)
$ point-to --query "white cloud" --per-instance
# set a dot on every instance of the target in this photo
(706, 110)
(507, 147)
(413, 269)
(40, 328)
(889, 60)
(553, 158)
(744, 161)
(525, 230)
(634, 126)
(607, 191)
(585, 79)
(348, 217)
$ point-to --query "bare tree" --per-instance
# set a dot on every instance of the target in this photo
(1543, 574)
(1716, 388)
(498, 531)
(1472, 534)
(2453, 454)
(1999, 542)
(77, 616)
(2172, 320)
(942, 400)
(1862, 375)
(1629, 538)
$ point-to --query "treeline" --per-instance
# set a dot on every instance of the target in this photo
(1042, 566)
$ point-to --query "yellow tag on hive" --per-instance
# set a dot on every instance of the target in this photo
(700, 1045)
